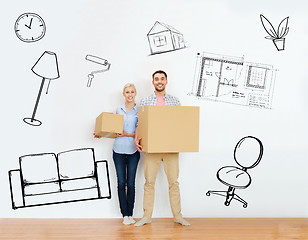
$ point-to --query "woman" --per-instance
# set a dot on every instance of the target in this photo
(125, 154)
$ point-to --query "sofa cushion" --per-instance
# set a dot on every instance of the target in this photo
(76, 163)
(37, 189)
(61, 197)
(39, 168)
(78, 184)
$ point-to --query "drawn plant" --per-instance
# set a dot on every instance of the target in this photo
(278, 37)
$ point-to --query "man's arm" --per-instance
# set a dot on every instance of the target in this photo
(177, 101)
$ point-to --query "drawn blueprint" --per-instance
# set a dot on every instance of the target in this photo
(232, 80)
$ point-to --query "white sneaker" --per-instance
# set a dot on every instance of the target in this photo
(126, 220)
(132, 221)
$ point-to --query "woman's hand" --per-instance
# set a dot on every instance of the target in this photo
(123, 134)
(96, 135)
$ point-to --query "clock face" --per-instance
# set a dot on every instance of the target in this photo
(30, 27)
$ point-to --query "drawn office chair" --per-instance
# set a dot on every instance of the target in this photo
(247, 154)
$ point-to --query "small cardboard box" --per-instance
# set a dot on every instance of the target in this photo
(168, 128)
(108, 124)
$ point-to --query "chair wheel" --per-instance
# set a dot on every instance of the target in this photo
(227, 203)
(245, 206)
(208, 193)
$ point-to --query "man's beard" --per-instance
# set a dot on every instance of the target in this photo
(160, 90)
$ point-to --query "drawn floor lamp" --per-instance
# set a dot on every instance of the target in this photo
(47, 68)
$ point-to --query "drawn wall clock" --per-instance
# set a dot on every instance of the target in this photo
(30, 27)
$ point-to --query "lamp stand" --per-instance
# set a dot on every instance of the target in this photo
(32, 121)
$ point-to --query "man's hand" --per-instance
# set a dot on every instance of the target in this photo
(137, 144)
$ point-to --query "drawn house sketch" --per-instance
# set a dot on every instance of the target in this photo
(49, 178)
(277, 36)
(164, 38)
(97, 60)
(232, 80)
(247, 154)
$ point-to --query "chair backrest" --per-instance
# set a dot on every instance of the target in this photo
(77, 163)
(248, 152)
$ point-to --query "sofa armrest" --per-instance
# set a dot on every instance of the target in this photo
(16, 189)
(103, 180)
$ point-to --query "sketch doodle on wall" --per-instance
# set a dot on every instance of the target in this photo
(69, 176)
(277, 36)
(96, 60)
(247, 154)
(45, 67)
(164, 38)
(30, 27)
(232, 80)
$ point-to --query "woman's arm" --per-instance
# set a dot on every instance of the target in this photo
(137, 141)
(125, 134)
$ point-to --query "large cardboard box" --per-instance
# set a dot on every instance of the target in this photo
(109, 124)
(168, 128)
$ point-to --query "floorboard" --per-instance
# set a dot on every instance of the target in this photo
(160, 228)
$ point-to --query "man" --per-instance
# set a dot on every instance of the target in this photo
(152, 161)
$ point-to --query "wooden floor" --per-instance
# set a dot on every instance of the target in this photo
(160, 228)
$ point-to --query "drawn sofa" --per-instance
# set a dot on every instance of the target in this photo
(70, 176)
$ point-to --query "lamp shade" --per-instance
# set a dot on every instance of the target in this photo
(47, 66)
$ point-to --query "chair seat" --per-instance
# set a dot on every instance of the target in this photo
(234, 177)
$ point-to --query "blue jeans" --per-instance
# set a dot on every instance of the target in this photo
(126, 167)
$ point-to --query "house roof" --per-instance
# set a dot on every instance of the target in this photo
(160, 27)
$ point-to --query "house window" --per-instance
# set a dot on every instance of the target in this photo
(256, 77)
(160, 40)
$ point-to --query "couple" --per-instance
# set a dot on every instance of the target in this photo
(126, 154)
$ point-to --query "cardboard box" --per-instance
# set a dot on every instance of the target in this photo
(109, 124)
(168, 128)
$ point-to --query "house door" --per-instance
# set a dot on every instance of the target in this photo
(178, 41)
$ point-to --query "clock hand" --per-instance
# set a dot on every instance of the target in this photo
(29, 24)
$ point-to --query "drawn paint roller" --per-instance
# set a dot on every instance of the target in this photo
(97, 60)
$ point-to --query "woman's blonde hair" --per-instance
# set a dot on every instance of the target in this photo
(129, 85)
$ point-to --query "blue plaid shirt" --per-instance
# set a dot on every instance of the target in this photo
(152, 99)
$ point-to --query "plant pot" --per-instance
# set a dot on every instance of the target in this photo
(279, 43)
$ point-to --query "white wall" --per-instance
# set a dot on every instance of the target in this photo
(116, 30)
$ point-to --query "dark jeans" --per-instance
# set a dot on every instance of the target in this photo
(126, 167)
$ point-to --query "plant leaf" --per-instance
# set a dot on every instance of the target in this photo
(286, 32)
(268, 27)
(283, 28)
